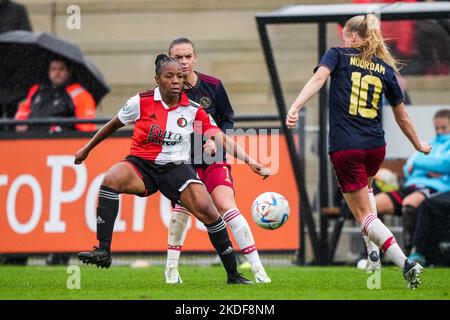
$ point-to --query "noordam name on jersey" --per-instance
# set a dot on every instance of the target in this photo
(163, 137)
(354, 61)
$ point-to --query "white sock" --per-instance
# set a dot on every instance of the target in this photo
(243, 236)
(177, 233)
(371, 246)
(384, 239)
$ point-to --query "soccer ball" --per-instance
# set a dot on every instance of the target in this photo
(270, 210)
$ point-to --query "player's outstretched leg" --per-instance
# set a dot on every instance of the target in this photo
(383, 237)
(121, 178)
(198, 201)
(377, 232)
(223, 198)
(177, 234)
(373, 252)
(107, 210)
(241, 233)
(218, 235)
(244, 237)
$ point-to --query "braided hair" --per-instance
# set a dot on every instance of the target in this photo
(161, 61)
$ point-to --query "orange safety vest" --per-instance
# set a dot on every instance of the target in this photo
(82, 100)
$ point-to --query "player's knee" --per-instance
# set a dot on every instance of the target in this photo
(108, 181)
(206, 211)
(224, 203)
(223, 207)
(360, 216)
(113, 181)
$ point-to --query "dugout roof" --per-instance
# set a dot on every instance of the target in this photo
(342, 12)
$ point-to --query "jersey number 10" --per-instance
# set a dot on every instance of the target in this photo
(360, 90)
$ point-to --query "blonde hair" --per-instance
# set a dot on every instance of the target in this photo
(367, 27)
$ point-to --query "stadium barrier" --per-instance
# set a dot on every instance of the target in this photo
(47, 204)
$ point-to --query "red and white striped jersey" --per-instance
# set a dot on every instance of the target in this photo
(161, 133)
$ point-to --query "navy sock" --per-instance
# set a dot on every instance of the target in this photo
(218, 235)
(107, 210)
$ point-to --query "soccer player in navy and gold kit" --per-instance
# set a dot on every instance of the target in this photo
(362, 71)
(215, 172)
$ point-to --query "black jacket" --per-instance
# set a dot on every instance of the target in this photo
(13, 16)
(50, 101)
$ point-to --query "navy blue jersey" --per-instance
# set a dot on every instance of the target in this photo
(210, 93)
(355, 98)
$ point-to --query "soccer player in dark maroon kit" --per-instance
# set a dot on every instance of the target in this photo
(215, 172)
(164, 120)
(361, 72)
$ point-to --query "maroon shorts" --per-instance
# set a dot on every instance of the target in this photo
(217, 174)
(354, 167)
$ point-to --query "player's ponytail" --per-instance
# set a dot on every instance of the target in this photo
(367, 27)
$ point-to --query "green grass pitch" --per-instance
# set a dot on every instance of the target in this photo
(209, 283)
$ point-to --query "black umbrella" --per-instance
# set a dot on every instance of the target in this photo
(24, 58)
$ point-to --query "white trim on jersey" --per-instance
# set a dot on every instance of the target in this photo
(157, 94)
(157, 97)
(184, 186)
(180, 150)
(131, 111)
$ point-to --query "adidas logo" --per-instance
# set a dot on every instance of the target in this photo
(228, 251)
(153, 116)
(100, 220)
(373, 256)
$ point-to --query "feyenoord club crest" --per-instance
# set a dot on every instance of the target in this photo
(205, 102)
(182, 122)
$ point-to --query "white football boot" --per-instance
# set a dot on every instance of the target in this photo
(411, 273)
(172, 275)
(373, 262)
(261, 275)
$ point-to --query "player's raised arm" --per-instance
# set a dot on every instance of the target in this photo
(108, 129)
(309, 90)
(404, 122)
(236, 151)
(203, 125)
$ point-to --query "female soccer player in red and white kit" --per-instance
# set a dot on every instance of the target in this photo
(362, 71)
(164, 120)
(215, 174)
